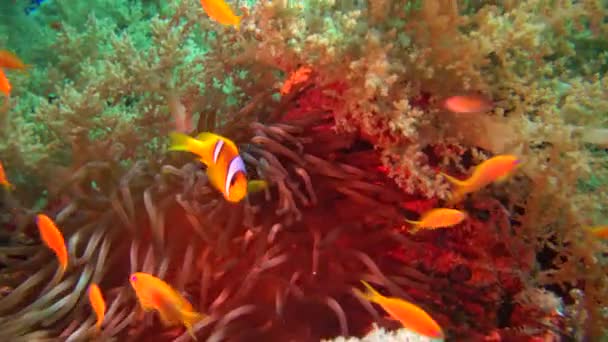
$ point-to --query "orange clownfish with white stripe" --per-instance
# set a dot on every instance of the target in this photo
(225, 167)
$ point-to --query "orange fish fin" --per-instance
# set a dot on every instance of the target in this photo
(256, 185)
(212, 137)
(166, 319)
(415, 226)
(179, 141)
(413, 223)
(190, 318)
(455, 181)
(371, 294)
(184, 142)
(63, 266)
(204, 136)
(147, 303)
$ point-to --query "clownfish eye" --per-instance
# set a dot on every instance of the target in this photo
(233, 181)
(133, 278)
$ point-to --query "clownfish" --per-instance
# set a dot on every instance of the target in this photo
(439, 218)
(496, 169)
(410, 315)
(53, 239)
(155, 294)
(225, 167)
(219, 11)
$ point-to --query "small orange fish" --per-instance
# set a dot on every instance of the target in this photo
(439, 218)
(219, 11)
(4, 180)
(301, 75)
(155, 294)
(598, 231)
(97, 303)
(52, 237)
(410, 315)
(5, 84)
(496, 169)
(468, 104)
(225, 167)
(10, 61)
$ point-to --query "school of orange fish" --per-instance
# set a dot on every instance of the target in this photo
(227, 173)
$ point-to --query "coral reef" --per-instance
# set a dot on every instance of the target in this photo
(348, 154)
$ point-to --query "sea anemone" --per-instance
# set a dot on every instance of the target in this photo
(283, 264)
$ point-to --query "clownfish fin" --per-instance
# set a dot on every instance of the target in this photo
(256, 185)
(208, 137)
(184, 142)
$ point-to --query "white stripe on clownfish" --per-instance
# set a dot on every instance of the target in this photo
(236, 165)
(217, 150)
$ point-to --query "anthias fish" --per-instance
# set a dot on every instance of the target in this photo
(5, 84)
(3, 179)
(468, 104)
(9, 60)
(598, 231)
(410, 315)
(439, 218)
(495, 169)
(53, 239)
(98, 304)
(219, 11)
(155, 294)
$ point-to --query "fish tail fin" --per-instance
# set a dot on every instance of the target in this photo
(455, 181)
(63, 266)
(184, 142)
(179, 141)
(370, 294)
(415, 225)
(412, 222)
(458, 193)
(190, 318)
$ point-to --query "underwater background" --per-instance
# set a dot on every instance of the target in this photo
(356, 118)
